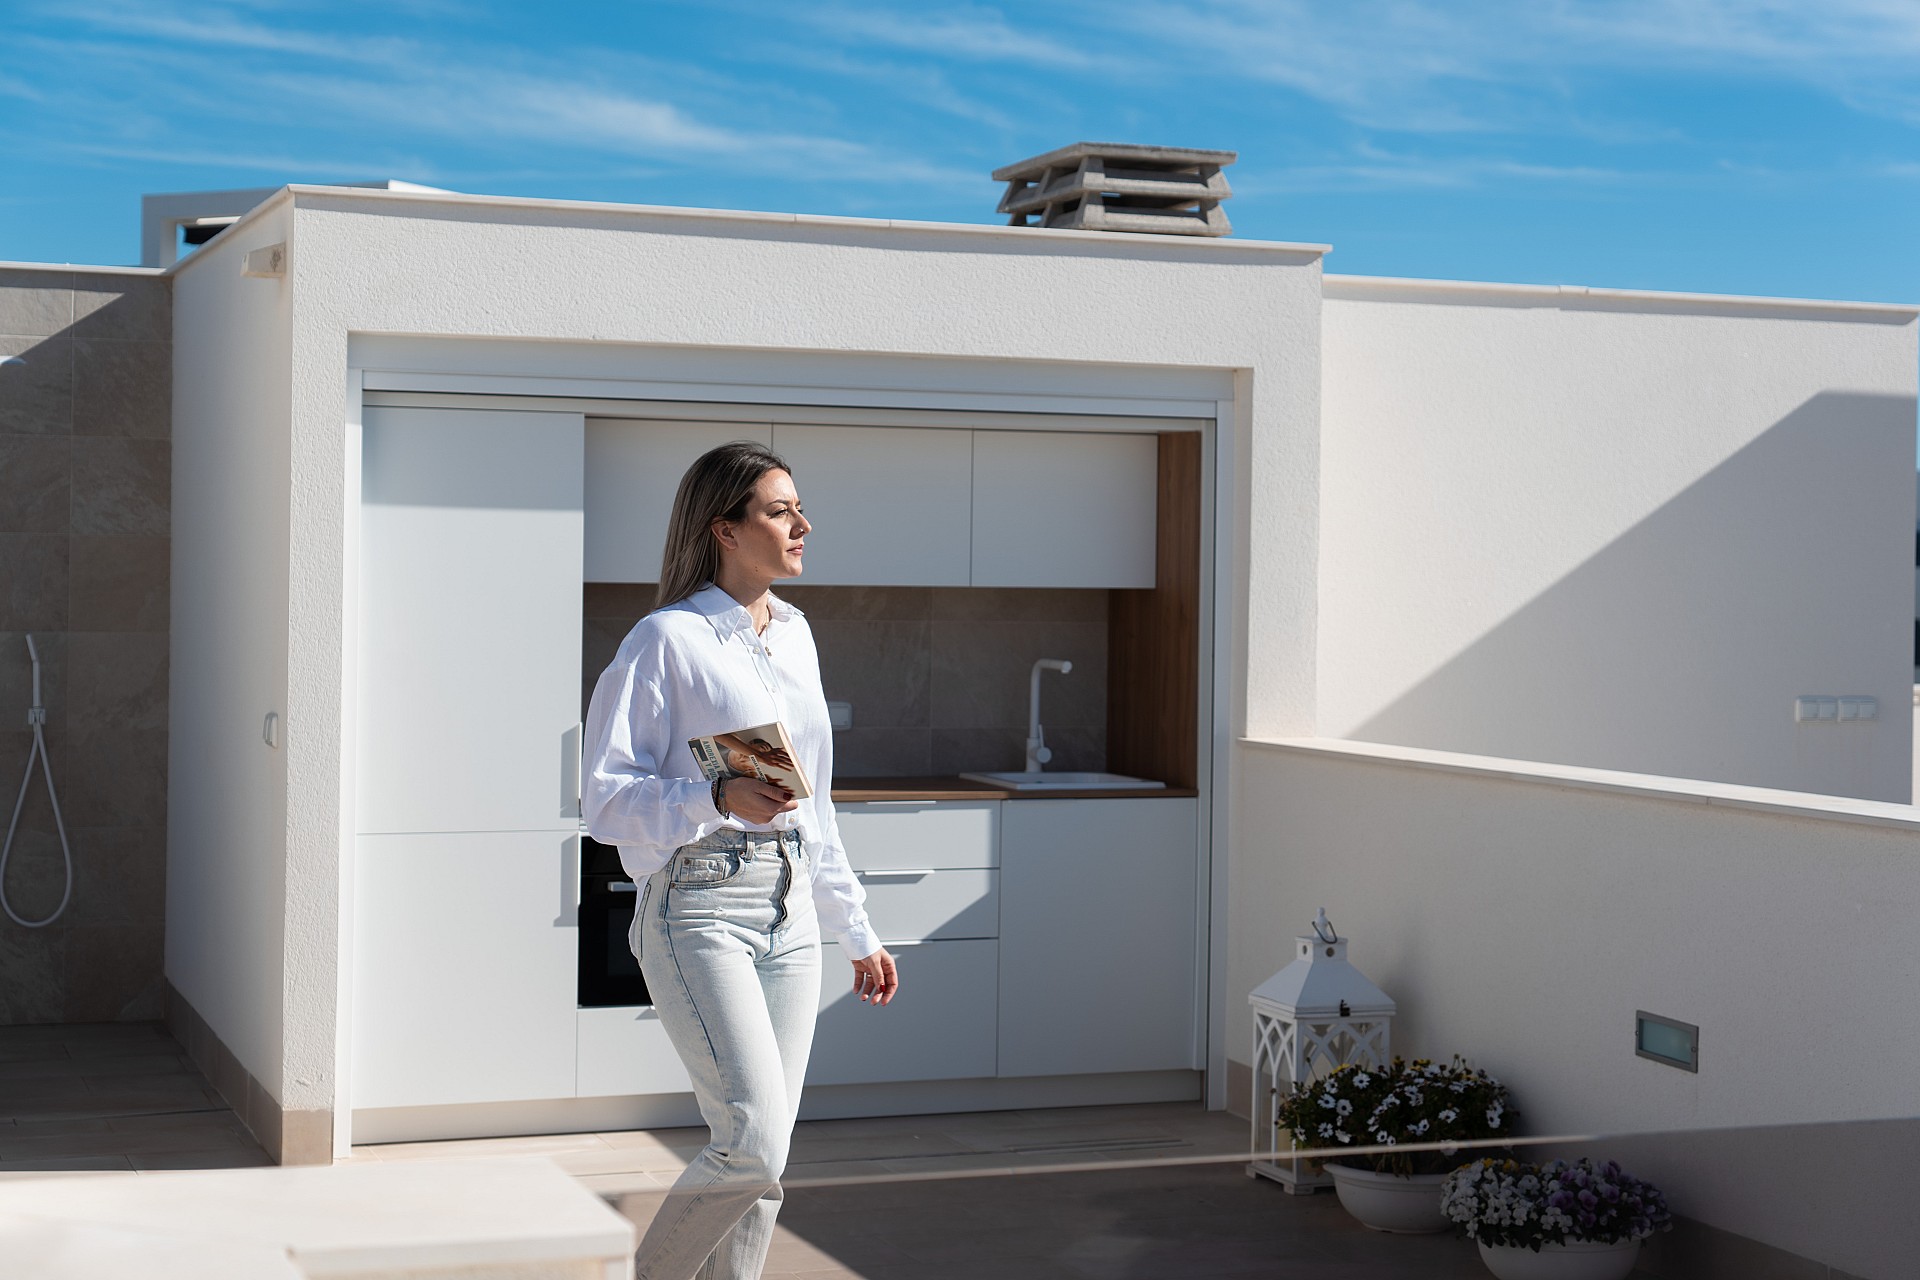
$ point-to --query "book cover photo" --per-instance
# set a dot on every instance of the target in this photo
(763, 751)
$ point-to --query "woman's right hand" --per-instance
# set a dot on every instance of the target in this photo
(757, 801)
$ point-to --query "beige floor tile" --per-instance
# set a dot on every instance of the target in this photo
(666, 1139)
(479, 1148)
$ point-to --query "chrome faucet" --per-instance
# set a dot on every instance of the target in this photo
(1037, 751)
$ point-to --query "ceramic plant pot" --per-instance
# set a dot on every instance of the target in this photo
(1389, 1202)
(1574, 1260)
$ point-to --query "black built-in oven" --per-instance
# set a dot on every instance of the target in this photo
(609, 975)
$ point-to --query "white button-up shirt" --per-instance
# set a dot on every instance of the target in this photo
(697, 668)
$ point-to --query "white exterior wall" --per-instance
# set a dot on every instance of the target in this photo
(226, 789)
(1522, 923)
(1618, 532)
(963, 307)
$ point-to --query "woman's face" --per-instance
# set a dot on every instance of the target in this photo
(767, 542)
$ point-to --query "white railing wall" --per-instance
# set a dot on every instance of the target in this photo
(1521, 913)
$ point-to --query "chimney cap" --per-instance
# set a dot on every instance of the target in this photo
(1158, 157)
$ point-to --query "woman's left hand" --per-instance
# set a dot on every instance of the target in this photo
(875, 978)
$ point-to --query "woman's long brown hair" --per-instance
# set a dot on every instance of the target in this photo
(716, 487)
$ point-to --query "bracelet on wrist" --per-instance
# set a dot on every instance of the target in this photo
(720, 797)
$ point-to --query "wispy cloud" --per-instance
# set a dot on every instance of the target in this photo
(962, 31)
(1432, 67)
(584, 102)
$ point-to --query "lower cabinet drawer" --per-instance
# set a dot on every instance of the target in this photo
(919, 906)
(940, 1027)
(625, 1051)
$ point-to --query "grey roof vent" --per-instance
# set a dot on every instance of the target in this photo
(1116, 186)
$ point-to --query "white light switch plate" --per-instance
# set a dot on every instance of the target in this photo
(840, 715)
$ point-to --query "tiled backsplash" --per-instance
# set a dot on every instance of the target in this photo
(937, 675)
(85, 413)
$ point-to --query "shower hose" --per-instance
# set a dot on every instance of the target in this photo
(37, 721)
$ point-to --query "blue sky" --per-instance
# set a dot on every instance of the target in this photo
(1741, 146)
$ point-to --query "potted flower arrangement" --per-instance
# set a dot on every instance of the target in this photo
(1556, 1221)
(1419, 1103)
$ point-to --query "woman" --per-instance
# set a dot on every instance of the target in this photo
(738, 876)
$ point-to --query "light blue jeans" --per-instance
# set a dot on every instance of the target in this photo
(730, 947)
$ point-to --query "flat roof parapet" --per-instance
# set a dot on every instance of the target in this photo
(1118, 186)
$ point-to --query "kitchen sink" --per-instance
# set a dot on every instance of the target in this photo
(1060, 780)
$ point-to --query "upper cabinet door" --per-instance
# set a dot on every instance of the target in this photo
(1063, 509)
(889, 505)
(469, 621)
(633, 471)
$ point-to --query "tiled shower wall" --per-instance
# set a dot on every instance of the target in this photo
(85, 399)
(937, 675)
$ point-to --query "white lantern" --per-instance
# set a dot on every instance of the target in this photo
(1316, 1014)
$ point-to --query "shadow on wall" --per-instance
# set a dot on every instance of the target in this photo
(85, 412)
(1679, 648)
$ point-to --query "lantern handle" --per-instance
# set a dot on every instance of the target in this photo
(1323, 927)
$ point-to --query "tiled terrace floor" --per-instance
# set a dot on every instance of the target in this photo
(1094, 1193)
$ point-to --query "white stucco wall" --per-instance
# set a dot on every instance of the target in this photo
(1522, 923)
(901, 306)
(226, 789)
(1617, 531)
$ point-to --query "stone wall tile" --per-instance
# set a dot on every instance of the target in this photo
(119, 583)
(113, 972)
(33, 582)
(120, 874)
(130, 308)
(36, 386)
(123, 389)
(37, 871)
(34, 962)
(981, 673)
(116, 682)
(882, 668)
(116, 779)
(121, 486)
(35, 304)
(1019, 604)
(895, 752)
(995, 749)
(35, 483)
(617, 600)
(894, 604)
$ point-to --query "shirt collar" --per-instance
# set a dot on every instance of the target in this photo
(728, 615)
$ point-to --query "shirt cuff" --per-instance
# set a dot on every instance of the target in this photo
(859, 941)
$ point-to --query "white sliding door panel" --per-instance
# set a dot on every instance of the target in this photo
(1064, 509)
(633, 469)
(889, 505)
(465, 968)
(470, 573)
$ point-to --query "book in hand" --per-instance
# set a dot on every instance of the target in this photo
(763, 751)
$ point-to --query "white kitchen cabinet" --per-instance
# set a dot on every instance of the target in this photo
(469, 621)
(465, 968)
(929, 903)
(1064, 509)
(1098, 932)
(633, 468)
(907, 834)
(932, 894)
(940, 1028)
(890, 506)
(625, 1051)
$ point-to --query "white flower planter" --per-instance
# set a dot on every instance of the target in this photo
(1574, 1260)
(1388, 1202)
